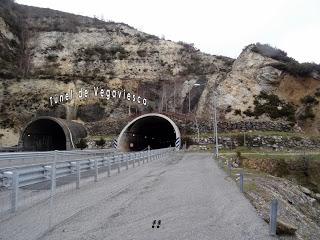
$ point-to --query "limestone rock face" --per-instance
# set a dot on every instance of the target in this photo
(251, 73)
(46, 53)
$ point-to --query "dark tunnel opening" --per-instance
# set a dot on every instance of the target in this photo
(44, 135)
(153, 131)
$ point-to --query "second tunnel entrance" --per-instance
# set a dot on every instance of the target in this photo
(154, 130)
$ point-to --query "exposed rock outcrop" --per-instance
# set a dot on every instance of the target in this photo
(46, 52)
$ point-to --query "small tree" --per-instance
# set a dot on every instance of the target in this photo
(82, 144)
(101, 142)
(1, 136)
(197, 126)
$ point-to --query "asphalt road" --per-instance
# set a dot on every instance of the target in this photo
(192, 197)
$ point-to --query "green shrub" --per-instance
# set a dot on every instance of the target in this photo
(237, 112)
(52, 58)
(82, 143)
(105, 54)
(142, 53)
(272, 106)
(249, 113)
(308, 113)
(309, 100)
(271, 52)
(238, 154)
(228, 109)
(286, 63)
(117, 48)
(101, 142)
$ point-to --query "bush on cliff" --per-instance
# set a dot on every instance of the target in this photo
(272, 106)
(286, 63)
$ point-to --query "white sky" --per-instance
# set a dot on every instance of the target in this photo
(222, 27)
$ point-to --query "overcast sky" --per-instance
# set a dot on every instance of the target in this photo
(221, 27)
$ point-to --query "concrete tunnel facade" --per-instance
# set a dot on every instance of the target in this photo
(153, 129)
(50, 133)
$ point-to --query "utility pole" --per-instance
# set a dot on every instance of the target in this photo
(174, 96)
(215, 125)
(189, 95)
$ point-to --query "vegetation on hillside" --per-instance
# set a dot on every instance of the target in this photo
(286, 63)
(100, 142)
(272, 106)
(82, 144)
(308, 102)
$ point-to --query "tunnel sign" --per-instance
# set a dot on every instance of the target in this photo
(97, 92)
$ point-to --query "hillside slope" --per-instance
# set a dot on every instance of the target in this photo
(45, 52)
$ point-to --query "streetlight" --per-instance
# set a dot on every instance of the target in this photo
(189, 90)
(214, 99)
(198, 131)
(215, 126)
(189, 94)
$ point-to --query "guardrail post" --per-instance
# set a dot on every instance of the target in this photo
(53, 178)
(241, 182)
(53, 173)
(135, 157)
(15, 188)
(119, 162)
(139, 158)
(95, 170)
(78, 175)
(53, 186)
(127, 163)
(273, 217)
(109, 167)
(133, 160)
(148, 159)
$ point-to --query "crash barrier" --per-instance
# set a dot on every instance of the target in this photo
(26, 158)
(36, 182)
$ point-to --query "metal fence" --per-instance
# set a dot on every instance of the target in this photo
(26, 185)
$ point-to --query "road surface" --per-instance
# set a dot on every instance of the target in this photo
(192, 197)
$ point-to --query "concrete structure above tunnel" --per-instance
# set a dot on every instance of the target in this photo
(50, 133)
(153, 129)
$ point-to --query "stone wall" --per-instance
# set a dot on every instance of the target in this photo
(227, 126)
(272, 142)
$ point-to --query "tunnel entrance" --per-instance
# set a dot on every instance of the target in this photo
(49, 133)
(154, 130)
(44, 135)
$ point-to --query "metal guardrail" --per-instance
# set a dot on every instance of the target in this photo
(27, 158)
(19, 176)
(35, 173)
(51, 154)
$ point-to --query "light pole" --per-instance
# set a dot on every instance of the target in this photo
(189, 94)
(215, 125)
(215, 99)
(197, 124)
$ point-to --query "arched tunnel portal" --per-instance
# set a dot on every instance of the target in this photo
(154, 130)
(49, 133)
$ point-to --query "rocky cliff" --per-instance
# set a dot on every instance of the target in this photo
(45, 53)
